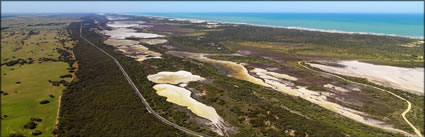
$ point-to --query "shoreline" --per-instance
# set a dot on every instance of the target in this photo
(272, 26)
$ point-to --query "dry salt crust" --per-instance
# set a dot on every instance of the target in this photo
(154, 41)
(117, 24)
(139, 52)
(181, 96)
(340, 89)
(174, 77)
(272, 75)
(274, 80)
(119, 42)
(142, 26)
(120, 30)
(122, 33)
(126, 24)
(130, 48)
(320, 98)
(238, 70)
(133, 50)
(409, 79)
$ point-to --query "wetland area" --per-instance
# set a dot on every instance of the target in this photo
(210, 78)
(272, 63)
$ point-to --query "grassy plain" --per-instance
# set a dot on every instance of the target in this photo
(37, 40)
(34, 87)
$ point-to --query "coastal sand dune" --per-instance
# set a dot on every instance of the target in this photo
(409, 79)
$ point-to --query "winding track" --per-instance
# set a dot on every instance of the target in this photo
(409, 105)
(150, 110)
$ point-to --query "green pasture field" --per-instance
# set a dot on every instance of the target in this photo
(26, 85)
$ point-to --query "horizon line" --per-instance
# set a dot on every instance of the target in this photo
(3, 12)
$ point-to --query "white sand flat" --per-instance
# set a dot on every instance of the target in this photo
(409, 79)
(178, 77)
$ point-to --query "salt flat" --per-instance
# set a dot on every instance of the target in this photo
(409, 79)
(165, 87)
(317, 97)
(181, 96)
(125, 24)
(282, 83)
(120, 42)
(273, 75)
(116, 18)
(154, 41)
(174, 77)
(130, 48)
(122, 33)
(237, 70)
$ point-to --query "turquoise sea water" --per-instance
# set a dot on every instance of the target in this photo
(411, 25)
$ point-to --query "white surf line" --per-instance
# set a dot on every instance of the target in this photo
(283, 27)
(409, 105)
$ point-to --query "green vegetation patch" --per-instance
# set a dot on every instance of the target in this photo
(35, 52)
(247, 59)
(101, 102)
(389, 55)
(251, 109)
(23, 100)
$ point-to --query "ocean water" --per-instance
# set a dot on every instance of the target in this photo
(407, 25)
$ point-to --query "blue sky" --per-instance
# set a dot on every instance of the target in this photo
(211, 6)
